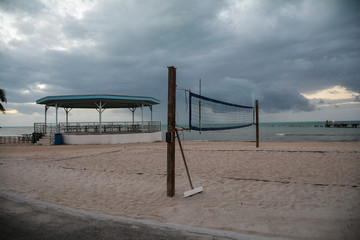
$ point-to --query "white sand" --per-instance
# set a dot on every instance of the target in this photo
(291, 190)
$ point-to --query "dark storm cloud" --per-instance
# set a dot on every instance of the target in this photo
(276, 99)
(21, 6)
(274, 49)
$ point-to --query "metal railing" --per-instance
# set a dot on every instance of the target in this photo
(96, 128)
(45, 129)
(53, 131)
(40, 129)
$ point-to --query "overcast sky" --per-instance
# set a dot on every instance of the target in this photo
(301, 59)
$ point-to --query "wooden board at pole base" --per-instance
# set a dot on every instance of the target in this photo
(193, 191)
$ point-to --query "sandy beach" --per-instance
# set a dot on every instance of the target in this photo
(289, 190)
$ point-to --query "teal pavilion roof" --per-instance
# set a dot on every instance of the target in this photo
(91, 101)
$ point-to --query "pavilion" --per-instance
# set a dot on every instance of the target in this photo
(100, 132)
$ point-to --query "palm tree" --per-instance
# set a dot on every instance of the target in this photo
(3, 99)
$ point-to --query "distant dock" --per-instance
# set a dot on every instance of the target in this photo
(327, 124)
(342, 124)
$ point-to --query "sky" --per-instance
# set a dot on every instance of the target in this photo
(300, 59)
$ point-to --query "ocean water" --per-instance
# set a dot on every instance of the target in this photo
(269, 132)
(15, 131)
(278, 132)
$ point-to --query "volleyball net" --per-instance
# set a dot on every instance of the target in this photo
(208, 114)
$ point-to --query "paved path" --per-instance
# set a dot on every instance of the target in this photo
(19, 220)
(22, 218)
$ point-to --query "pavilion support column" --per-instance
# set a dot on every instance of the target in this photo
(57, 121)
(46, 109)
(151, 127)
(67, 110)
(142, 116)
(133, 114)
(151, 114)
(100, 109)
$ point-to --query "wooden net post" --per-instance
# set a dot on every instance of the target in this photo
(170, 136)
(257, 122)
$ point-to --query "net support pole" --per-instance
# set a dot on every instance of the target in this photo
(170, 138)
(142, 117)
(200, 106)
(253, 110)
(257, 122)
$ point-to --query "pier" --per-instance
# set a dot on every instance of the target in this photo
(342, 124)
(327, 124)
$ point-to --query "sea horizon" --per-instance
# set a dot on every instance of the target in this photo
(270, 122)
(296, 131)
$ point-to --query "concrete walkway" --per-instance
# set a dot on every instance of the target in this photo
(22, 218)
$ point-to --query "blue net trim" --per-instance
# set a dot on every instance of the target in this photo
(218, 128)
(217, 101)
